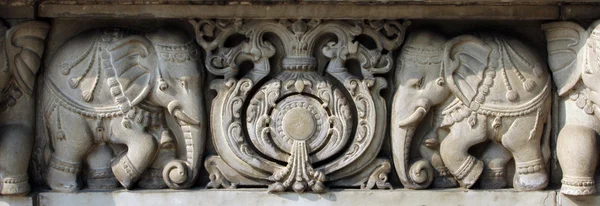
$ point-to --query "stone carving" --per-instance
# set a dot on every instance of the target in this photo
(489, 89)
(283, 123)
(573, 55)
(21, 48)
(112, 91)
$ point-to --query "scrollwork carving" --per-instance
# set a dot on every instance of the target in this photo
(297, 118)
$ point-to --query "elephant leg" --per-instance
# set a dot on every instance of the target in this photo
(578, 155)
(443, 178)
(153, 177)
(523, 140)
(430, 150)
(130, 164)
(15, 147)
(71, 144)
(454, 150)
(495, 157)
(99, 175)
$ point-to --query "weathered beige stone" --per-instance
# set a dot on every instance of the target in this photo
(570, 200)
(346, 197)
(297, 93)
(17, 200)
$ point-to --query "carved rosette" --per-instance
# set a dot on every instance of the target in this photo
(298, 119)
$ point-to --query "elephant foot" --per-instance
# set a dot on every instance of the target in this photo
(152, 179)
(443, 179)
(493, 179)
(578, 186)
(531, 176)
(15, 185)
(102, 179)
(124, 171)
(469, 172)
(62, 176)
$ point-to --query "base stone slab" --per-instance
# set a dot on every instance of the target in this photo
(337, 197)
(567, 200)
(16, 200)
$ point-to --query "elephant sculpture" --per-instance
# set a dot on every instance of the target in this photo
(574, 59)
(21, 48)
(113, 90)
(488, 88)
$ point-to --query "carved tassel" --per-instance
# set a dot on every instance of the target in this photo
(529, 85)
(60, 135)
(74, 83)
(87, 96)
(497, 123)
(511, 95)
(537, 71)
(472, 119)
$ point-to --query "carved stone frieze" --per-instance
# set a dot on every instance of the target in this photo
(484, 88)
(574, 58)
(297, 105)
(21, 48)
(105, 101)
(297, 119)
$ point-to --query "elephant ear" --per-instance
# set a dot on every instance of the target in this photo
(465, 61)
(130, 64)
(24, 46)
(566, 40)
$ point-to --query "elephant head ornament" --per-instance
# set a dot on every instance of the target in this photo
(573, 55)
(480, 88)
(118, 87)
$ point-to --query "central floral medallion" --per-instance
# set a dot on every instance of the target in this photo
(297, 118)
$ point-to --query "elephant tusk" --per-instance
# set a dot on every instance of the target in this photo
(416, 116)
(186, 119)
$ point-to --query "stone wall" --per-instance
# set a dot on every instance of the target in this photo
(181, 102)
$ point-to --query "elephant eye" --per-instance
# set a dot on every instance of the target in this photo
(183, 82)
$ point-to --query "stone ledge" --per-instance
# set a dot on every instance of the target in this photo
(337, 197)
(578, 200)
(328, 11)
(311, 10)
(17, 200)
(17, 12)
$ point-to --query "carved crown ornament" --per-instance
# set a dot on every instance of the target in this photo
(298, 119)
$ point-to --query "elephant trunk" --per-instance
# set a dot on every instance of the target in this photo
(180, 174)
(419, 175)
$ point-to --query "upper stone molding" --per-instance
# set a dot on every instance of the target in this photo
(387, 2)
